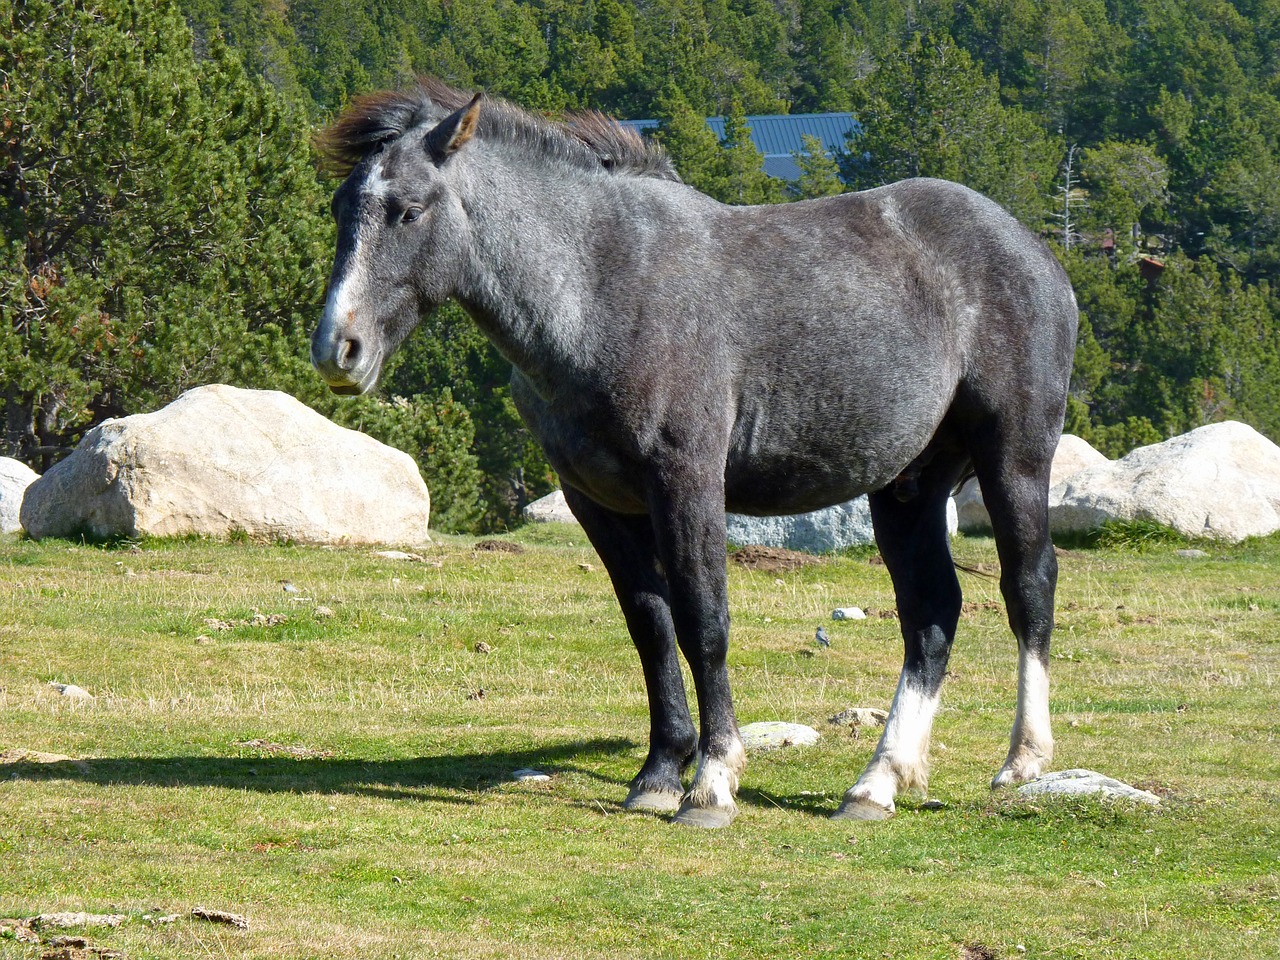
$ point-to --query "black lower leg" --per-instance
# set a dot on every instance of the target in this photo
(626, 547)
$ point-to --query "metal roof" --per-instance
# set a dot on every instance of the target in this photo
(777, 136)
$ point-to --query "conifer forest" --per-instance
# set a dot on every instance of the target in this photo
(164, 223)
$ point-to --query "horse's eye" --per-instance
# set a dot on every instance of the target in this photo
(411, 214)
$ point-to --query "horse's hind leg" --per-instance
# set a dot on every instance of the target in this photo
(1015, 489)
(627, 548)
(913, 540)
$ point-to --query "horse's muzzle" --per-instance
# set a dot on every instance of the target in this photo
(344, 363)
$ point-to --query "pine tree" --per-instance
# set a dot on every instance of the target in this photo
(744, 180)
(694, 149)
(819, 173)
(929, 110)
(161, 220)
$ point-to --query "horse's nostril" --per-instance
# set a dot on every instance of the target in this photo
(348, 354)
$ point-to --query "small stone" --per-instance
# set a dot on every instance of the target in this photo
(933, 805)
(482, 647)
(530, 775)
(221, 916)
(1191, 553)
(396, 555)
(72, 691)
(323, 612)
(1080, 783)
(58, 921)
(860, 717)
(848, 613)
(775, 734)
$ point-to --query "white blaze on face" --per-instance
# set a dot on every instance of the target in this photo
(375, 184)
(340, 307)
(346, 296)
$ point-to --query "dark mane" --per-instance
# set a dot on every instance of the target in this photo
(589, 140)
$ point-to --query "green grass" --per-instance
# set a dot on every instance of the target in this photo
(340, 782)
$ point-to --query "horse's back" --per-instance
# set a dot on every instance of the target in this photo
(909, 306)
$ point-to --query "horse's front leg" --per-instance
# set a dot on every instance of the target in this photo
(689, 523)
(627, 548)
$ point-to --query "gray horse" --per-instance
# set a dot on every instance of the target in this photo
(677, 357)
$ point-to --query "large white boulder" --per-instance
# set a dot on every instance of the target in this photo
(15, 477)
(1220, 481)
(220, 460)
(1072, 456)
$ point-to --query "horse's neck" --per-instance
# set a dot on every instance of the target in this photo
(528, 282)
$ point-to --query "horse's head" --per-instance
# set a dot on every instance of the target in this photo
(401, 233)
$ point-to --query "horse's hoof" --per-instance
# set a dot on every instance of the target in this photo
(1011, 776)
(861, 808)
(652, 801)
(708, 818)
(1004, 778)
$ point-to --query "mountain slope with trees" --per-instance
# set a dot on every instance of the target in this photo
(164, 224)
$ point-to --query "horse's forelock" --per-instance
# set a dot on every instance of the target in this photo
(588, 139)
(365, 125)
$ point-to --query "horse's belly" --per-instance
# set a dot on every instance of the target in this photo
(807, 464)
(797, 487)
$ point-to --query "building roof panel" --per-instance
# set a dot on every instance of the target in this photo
(778, 136)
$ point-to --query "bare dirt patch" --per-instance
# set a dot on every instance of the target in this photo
(498, 546)
(22, 755)
(772, 559)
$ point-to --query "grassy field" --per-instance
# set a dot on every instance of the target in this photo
(334, 762)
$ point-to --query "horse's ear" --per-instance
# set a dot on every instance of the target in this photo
(448, 136)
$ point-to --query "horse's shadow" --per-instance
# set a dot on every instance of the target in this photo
(450, 778)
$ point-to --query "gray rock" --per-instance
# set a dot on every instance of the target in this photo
(1191, 554)
(15, 477)
(219, 461)
(823, 531)
(848, 613)
(71, 691)
(835, 528)
(549, 509)
(1085, 783)
(860, 717)
(397, 555)
(529, 775)
(775, 734)
(1071, 457)
(1221, 481)
(59, 921)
